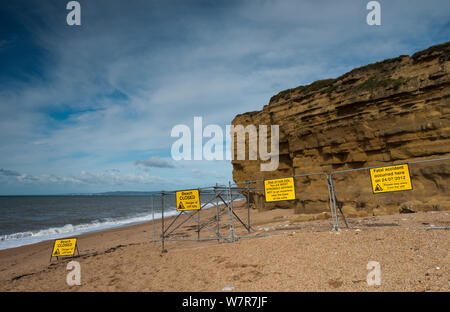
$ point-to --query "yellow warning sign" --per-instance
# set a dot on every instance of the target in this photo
(390, 179)
(188, 200)
(64, 247)
(279, 189)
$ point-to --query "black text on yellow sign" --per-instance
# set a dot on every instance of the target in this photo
(64, 247)
(188, 200)
(279, 189)
(390, 179)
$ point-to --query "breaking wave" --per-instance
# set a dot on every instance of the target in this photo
(32, 237)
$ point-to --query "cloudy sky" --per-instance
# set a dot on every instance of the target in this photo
(90, 108)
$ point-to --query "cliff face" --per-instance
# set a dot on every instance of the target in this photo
(389, 112)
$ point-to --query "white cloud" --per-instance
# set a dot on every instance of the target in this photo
(175, 62)
(9, 173)
(111, 177)
(155, 161)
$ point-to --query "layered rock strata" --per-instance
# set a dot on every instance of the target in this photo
(393, 111)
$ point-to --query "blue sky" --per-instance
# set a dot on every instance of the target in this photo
(90, 108)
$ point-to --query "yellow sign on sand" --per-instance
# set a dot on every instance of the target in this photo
(390, 179)
(64, 247)
(188, 200)
(279, 189)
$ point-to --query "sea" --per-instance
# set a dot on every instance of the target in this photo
(27, 220)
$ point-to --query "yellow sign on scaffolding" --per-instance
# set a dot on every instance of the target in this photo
(390, 179)
(64, 247)
(279, 189)
(188, 200)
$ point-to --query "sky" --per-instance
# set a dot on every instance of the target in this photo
(89, 108)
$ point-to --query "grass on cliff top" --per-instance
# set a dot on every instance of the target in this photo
(378, 80)
(443, 49)
(380, 70)
(325, 85)
(382, 66)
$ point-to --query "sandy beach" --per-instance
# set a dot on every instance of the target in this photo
(283, 253)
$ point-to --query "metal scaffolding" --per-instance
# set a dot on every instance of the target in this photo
(221, 197)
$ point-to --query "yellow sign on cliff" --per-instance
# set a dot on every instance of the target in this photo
(390, 179)
(188, 200)
(279, 189)
(64, 247)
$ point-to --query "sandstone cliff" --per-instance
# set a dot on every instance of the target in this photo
(389, 112)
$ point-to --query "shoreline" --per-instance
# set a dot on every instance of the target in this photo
(92, 227)
(291, 255)
(107, 231)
